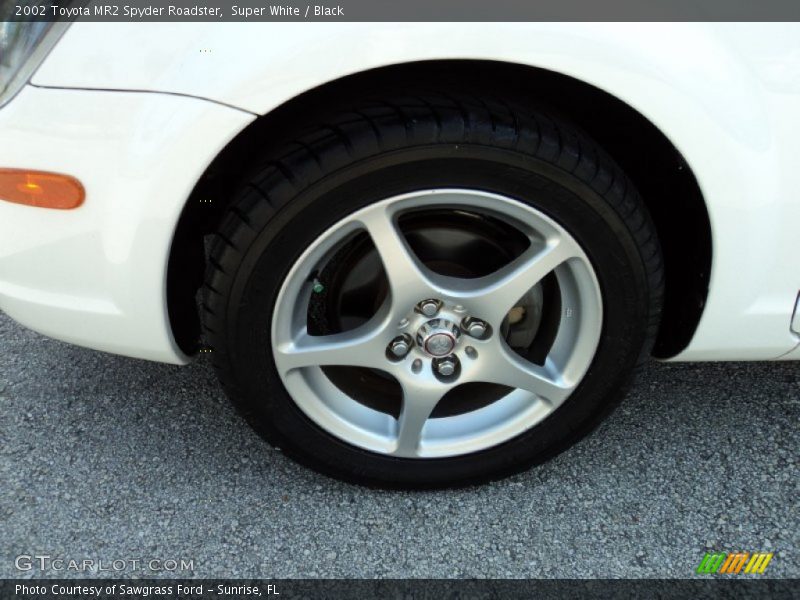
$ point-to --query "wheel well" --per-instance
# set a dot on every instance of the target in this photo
(663, 178)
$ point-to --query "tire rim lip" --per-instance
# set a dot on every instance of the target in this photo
(336, 413)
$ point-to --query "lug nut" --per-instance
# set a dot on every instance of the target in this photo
(445, 366)
(400, 346)
(475, 327)
(429, 308)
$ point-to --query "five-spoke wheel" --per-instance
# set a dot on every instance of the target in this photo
(431, 290)
(434, 332)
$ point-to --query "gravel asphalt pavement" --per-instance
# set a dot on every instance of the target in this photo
(109, 458)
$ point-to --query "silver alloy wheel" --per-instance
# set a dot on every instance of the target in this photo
(536, 390)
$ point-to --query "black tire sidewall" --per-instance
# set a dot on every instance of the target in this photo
(303, 216)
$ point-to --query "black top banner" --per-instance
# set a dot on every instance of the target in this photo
(399, 10)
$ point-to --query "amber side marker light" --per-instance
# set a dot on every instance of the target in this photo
(42, 189)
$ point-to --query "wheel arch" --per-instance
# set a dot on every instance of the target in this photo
(666, 182)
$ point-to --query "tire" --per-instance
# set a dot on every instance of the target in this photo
(285, 261)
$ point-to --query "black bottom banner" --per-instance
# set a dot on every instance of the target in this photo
(435, 589)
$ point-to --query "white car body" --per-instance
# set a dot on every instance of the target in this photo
(137, 113)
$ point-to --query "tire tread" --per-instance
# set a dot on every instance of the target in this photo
(368, 128)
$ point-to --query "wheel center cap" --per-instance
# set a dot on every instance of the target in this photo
(438, 337)
(440, 344)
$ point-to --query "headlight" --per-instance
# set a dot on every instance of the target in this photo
(23, 46)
